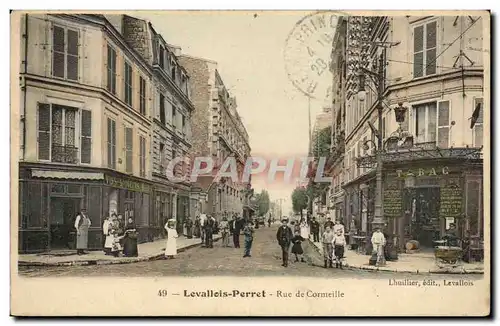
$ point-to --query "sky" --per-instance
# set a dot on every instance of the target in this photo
(251, 51)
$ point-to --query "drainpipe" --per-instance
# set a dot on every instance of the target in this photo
(23, 116)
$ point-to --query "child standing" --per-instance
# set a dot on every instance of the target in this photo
(248, 232)
(339, 245)
(297, 247)
(328, 247)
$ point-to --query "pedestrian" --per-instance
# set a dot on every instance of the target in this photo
(130, 239)
(315, 229)
(114, 239)
(296, 226)
(339, 247)
(197, 231)
(234, 229)
(328, 247)
(224, 226)
(269, 222)
(297, 247)
(82, 225)
(120, 232)
(248, 232)
(304, 229)
(105, 232)
(338, 226)
(203, 218)
(189, 228)
(284, 237)
(328, 223)
(209, 229)
(171, 246)
(378, 243)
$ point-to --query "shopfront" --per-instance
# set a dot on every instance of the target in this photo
(50, 200)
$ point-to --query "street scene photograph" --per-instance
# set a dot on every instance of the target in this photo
(320, 144)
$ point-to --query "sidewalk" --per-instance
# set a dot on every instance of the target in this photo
(147, 251)
(417, 263)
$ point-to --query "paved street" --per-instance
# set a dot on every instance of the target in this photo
(199, 261)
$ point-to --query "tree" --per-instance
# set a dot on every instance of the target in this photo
(299, 200)
(321, 143)
(263, 202)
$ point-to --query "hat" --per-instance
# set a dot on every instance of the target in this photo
(284, 219)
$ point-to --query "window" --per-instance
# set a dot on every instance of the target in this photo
(443, 132)
(111, 143)
(142, 95)
(383, 128)
(162, 109)
(162, 157)
(65, 53)
(478, 127)
(424, 49)
(183, 123)
(86, 136)
(111, 67)
(162, 56)
(174, 116)
(425, 122)
(128, 84)
(173, 73)
(142, 156)
(128, 150)
(57, 133)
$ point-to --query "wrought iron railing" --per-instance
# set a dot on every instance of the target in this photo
(64, 154)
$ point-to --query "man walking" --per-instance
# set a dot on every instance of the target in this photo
(248, 232)
(224, 226)
(234, 229)
(284, 237)
(378, 243)
(209, 229)
(328, 247)
(315, 229)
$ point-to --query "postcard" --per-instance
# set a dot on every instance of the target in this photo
(250, 163)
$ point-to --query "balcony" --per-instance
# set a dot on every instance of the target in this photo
(64, 154)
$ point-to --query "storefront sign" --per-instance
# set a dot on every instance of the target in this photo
(451, 201)
(126, 184)
(393, 203)
(424, 172)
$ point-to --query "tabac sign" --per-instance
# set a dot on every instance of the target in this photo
(126, 184)
(423, 172)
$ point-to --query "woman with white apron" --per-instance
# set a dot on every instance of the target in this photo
(171, 248)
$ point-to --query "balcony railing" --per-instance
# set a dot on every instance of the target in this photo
(64, 154)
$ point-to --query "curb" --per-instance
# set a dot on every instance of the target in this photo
(122, 260)
(390, 270)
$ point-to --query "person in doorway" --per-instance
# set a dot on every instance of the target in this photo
(171, 246)
(105, 233)
(297, 247)
(189, 228)
(224, 227)
(248, 232)
(82, 225)
(234, 229)
(284, 237)
(378, 243)
(315, 229)
(328, 247)
(338, 247)
(209, 229)
(130, 240)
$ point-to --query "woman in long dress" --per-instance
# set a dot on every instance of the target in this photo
(130, 240)
(107, 230)
(304, 229)
(82, 225)
(171, 248)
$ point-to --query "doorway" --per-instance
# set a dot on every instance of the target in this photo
(424, 214)
(62, 218)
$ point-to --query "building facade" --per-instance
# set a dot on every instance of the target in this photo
(92, 125)
(433, 66)
(218, 132)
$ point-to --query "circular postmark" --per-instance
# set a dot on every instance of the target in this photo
(307, 53)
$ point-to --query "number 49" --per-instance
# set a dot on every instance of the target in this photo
(162, 293)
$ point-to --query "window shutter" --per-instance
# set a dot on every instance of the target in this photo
(43, 131)
(72, 55)
(128, 149)
(443, 124)
(86, 139)
(430, 46)
(478, 127)
(58, 52)
(109, 140)
(418, 48)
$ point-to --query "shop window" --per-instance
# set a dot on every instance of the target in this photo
(58, 188)
(424, 49)
(474, 207)
(65, 53)
(57, 133)
(34, 213)
(478, 127)
(74, 189)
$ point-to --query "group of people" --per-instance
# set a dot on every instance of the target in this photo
(120, 237)
(292, 238)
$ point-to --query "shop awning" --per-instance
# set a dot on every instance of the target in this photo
(67, 175)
